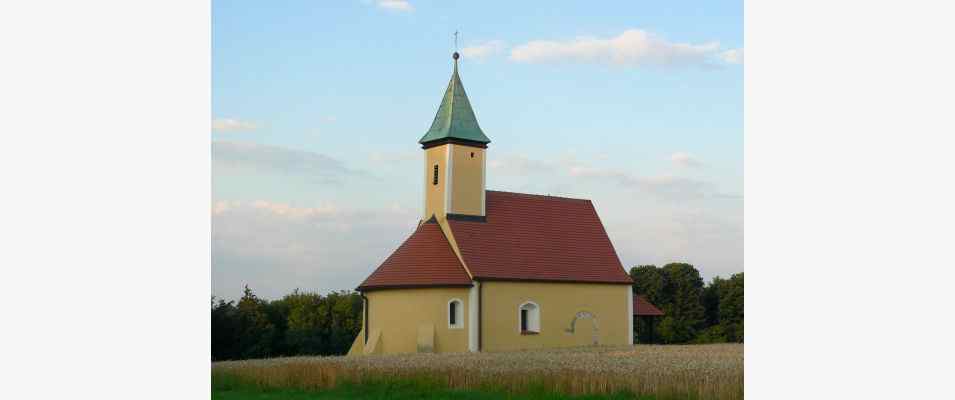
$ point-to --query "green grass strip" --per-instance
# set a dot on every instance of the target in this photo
(227, 387)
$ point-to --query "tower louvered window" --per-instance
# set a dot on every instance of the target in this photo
(435, 180)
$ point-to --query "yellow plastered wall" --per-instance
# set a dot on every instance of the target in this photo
(434, 194)
(559, 304)
(400, 313)
(462, 178)
(467, 188)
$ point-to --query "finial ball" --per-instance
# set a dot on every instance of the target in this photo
(455, 55)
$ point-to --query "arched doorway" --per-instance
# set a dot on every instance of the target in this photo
(584, 329)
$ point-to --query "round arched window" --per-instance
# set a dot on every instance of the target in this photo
(529, 318)
(455, 314)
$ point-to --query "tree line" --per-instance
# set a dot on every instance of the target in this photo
(300, 323)
(305, 323)
(694, 312)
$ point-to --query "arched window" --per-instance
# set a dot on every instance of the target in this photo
(455, 314)
(529, 317)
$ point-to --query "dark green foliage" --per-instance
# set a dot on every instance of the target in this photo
(650, 282)
(684, 316)
(712, 334)
(225, 330)
(344, 311)
(711, 301)
(298, 324)
(256, 331)
(723, 300)
(694, 313)
(645, 328)
(304, 323)
(731, 308)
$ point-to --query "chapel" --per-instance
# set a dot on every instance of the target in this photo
(489, 270)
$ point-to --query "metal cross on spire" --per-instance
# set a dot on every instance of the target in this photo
(456, 40)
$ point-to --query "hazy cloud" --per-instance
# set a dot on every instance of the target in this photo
(664, 186)
(396, 157)
(667, 187)
(232, 125)
(651, 219)
(395, 5)
(633, 47)
(711, 240)
(483, 50)
(734, 56)
(682, 159)
(520, 165)
(255, 157)
(332, 243)
(275, 247)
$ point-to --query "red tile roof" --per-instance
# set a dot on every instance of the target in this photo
(538, 238)
(642, 306)
(425, 259)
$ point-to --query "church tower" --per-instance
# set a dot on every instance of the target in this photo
(454, 158)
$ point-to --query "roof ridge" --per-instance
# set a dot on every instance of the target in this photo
(453, 246)
(540, 195)
(454, 77)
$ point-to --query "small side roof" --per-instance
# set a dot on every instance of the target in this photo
(425, 259)
(643, 307)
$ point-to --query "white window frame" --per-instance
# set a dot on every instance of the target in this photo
(459, 311)
(533, 317)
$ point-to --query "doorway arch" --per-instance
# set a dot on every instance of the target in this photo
(594, 326)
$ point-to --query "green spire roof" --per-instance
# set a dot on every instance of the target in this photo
(455, 118)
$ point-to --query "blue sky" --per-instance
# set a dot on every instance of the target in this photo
(318, 106)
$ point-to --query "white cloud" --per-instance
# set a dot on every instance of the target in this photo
(395, 5)
(682, 159)
(734, 56)
(483, 50)
(232, 125)
(633, 47)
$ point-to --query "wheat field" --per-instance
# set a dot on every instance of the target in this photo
(713, 371)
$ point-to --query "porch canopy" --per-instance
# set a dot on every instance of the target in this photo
(642, 307)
